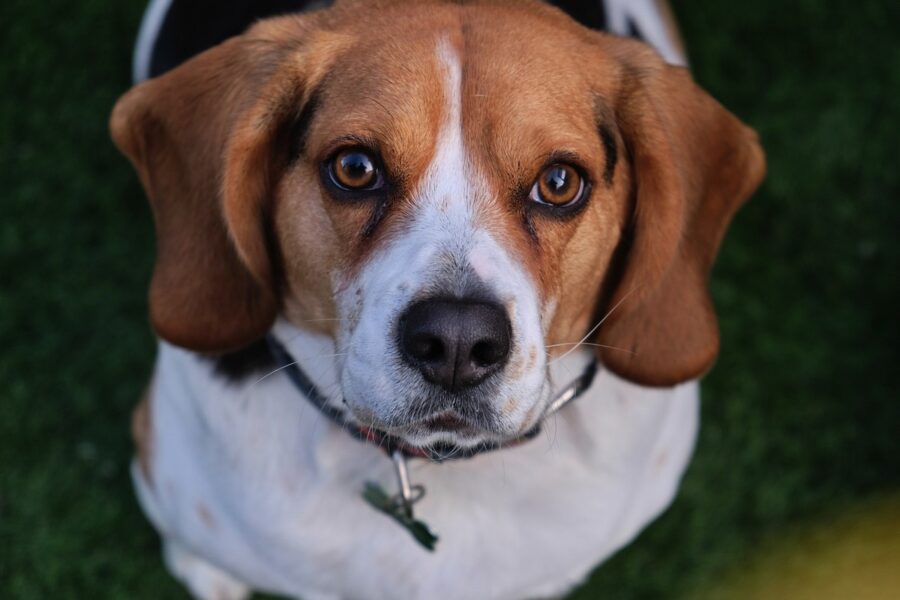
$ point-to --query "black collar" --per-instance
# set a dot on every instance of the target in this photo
(392, 444)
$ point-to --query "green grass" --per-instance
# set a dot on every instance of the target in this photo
(801, 415)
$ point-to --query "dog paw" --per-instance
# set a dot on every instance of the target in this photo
(204, 580)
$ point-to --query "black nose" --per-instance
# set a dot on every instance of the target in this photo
(455, 343)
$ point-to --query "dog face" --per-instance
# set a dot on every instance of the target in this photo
(455, 193)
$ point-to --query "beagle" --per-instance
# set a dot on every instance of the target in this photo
(441, 213)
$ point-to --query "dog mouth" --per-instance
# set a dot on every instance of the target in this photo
(448, 421)
(435, 434)
(447, 427)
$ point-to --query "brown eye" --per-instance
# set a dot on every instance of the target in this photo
(354, 169)
(559, 185)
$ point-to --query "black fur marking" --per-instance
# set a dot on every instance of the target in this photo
(529, 227)
(633, 31)
(611, 150)
(189, 28)
(297, 130)
(255, 359)
(381, 209)
(619, 261)
(589, 14)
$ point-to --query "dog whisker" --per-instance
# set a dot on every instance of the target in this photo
(551, 437)
(270, 373)
(593, 329)
(291, 364)
(590, 344)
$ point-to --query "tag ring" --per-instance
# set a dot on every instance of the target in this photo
(409, 494)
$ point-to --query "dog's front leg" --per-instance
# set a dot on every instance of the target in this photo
(204, 580)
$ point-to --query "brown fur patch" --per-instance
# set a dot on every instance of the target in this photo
(142, 434)
(527, 422)
(205, 516)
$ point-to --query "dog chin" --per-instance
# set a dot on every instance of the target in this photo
(432, 439)
(442, 434)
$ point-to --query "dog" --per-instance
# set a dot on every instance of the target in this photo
(434, 217)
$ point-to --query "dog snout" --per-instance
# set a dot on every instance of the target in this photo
(455, 343)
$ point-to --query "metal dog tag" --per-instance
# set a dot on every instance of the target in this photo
(400, 506)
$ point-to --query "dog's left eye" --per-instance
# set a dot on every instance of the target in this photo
(355, 169)
(559, 185)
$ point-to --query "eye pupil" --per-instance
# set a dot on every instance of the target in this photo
(357, 166)
(557, 180)
(354, 169)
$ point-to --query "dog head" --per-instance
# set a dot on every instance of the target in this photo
(455, 192)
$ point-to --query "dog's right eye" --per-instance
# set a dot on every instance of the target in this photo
(355, 169)
(560, 186)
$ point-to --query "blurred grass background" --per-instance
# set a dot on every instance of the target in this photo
(801, 417)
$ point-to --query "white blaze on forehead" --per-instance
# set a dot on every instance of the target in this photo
(446, 185)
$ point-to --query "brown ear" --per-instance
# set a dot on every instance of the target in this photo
(202, 139)
(693, 164)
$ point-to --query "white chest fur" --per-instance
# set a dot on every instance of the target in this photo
(252, 479)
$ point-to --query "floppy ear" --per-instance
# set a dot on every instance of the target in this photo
(693, 164)
(203, 140)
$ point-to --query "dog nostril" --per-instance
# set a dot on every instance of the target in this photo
(486, 353)
(427, 348)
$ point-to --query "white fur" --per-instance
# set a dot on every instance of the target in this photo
(148, 34)
(253, 481)
(646, 15)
